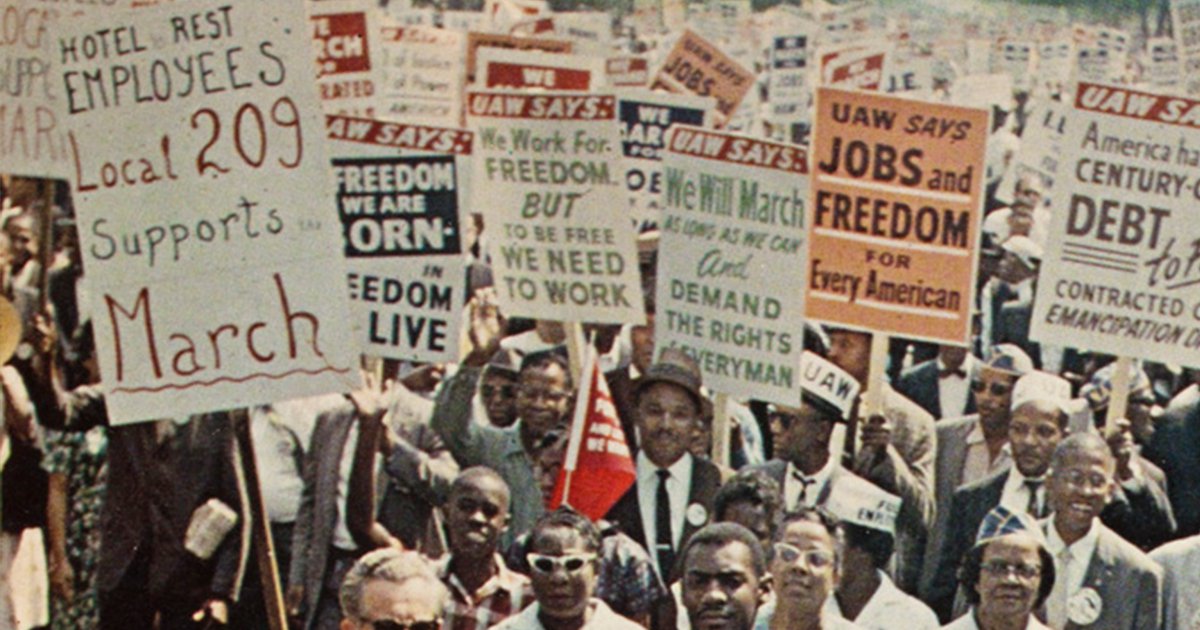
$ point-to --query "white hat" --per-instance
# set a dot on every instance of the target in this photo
(866, 505)
(828, 383)
(1039, 385)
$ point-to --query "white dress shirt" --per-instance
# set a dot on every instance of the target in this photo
(1015, 495)
(792, 486)
(886, 607)
(967, 622)
(1070, 567)
(979, 463)
(954, 390)
(679, 486)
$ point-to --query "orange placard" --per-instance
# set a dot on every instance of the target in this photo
(696, 66)
(897, 191)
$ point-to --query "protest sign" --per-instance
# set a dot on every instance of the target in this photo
(525, 69)
(422, 75)
(897, 204)
(1185, 23)
(627, 71)
(1041, 144)
(730, 290)
(1119, 274)
(475, 41)
(787, 78)
(214, 271)
(346, 38)
(32, 140)
(399, 199)
(1162, 63)
(646, 119)
(855, 66)
(547, 181)
(696, 66)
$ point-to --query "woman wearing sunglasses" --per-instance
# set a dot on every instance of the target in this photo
(562, 557)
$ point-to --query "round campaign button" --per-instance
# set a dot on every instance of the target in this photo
(697, 515)
(1084, 607)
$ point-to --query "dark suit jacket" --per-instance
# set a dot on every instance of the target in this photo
(316, 519)
(948, 473)
(153, 488)
(1129, 584)
(777, 468)
(626, 513)
(1174, 448)
(968, 506)
(1012, 326)
(1140, 511)
(920, 384)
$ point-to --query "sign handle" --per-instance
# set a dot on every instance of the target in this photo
(876, 375)
(261, 527)
(1118, 400)
(720, 430)
(575, 343)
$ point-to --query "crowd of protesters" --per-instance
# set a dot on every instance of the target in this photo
(987, 490)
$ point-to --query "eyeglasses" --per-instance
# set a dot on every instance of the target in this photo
(997, 389)
(1080, 479)
(388, 624)
(814, 558)
(1000, 568)
(488, 391)
(571, 564)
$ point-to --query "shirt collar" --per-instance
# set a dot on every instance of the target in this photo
(646, 469)
(504, 580)
(1081, 550)
(821, 476)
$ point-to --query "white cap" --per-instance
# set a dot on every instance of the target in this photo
(1039, 385)
(866, 505)
(828, 382)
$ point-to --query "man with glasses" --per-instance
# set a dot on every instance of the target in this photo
(389, 589)
(1006, 575)
(974, 447)
(1038, 424)
(483, 592)
(805, 569)
(1103, 580)
(724, 579)
(544, 398)
(563, 548)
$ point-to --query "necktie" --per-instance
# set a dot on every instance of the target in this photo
(805, 482)
(946, 373)
(1056, 605)
(1032, 485)
(664, 541)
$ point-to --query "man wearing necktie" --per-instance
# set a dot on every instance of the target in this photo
(942, 386)
(674, 492)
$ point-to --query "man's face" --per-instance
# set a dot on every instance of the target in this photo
(1009, 577)
(805, 566)
(993, 397)
(1026, 197)
(851, 351)
(1012, 270)
(498, 391)
(642, 340)
(544, 396)
(1079, 487)
(1139, 413)
(410, 602)
(952, 356)
(796, 431)
(21, 244)
(1034, 433)
(666, 419)
(563, 591)
(720, 588)
(549, 460)
(476, 514)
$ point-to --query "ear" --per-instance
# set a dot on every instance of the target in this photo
(765, 586)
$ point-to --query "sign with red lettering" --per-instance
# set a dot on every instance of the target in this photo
(696, 66)
(547, 179)
(476, 41)
(525, 69)
(347, 49)
(32, 138)
(896, 211)
(1120, 274)
(399, 193)
(214, 266)
(733, 241)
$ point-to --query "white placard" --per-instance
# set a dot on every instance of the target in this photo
(423, 71)
(731, 259)
(346, 45)
(32, 138)
(203, 193)
(547, 180)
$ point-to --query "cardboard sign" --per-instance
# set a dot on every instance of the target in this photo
(523, 69)
(646, 119)
(1185, 25)
(1041, 145)
(345, 37)
(1116, 276)
(733, 238)
(214, 268)
(855, 67)
(787, 78)
(1162, 63)
(475, 41)
(695, 66)
(422, 75)
(627, 71)
(399, 198)
(546, 176)
(896, 212)
(32, 139)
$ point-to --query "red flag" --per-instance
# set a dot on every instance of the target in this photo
(598, 468)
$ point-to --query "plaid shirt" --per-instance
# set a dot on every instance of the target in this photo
(505, 595)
